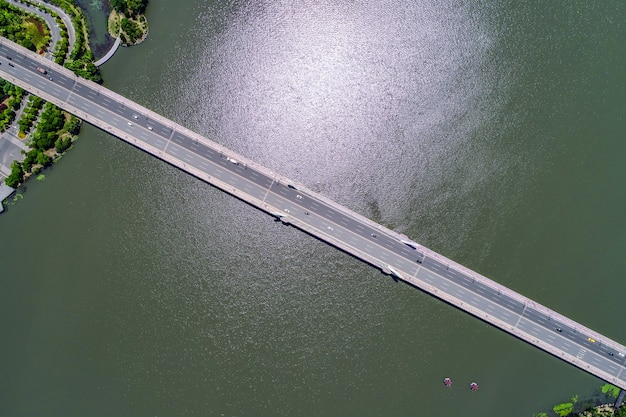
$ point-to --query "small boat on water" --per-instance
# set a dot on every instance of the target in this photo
(447, 382)
(474, 386)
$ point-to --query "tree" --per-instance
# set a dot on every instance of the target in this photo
(43, 159)
(28, 44)
(118, 5)
(73, 125)
(132, 29)
(51, 119)
(14, 103)
(31, 157)
(136, 6)
(16, 176)
(61, 145)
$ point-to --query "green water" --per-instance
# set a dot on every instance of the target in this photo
(491, 132)
(97, 12)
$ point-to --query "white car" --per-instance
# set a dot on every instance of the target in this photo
(232, 161)
(130, 124)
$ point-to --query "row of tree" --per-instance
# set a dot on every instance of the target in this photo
(12, 96)
(29, 115)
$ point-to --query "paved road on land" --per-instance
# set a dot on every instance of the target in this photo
(292, 203)
(10, 145)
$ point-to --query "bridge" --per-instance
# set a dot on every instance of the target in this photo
(294, 204)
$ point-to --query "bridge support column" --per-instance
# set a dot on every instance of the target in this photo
(620, 399)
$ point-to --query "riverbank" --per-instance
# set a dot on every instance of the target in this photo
(605, 410)
(37, 134)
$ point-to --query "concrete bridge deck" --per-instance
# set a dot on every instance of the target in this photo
(280, 197)
(110, 53)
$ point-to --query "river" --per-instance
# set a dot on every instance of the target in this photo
(490, 131)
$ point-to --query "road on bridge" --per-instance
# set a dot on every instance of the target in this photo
(292, 203)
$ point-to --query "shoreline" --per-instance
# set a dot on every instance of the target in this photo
(39, 154)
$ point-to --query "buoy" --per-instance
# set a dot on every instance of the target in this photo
(447, 382)
(474, 386)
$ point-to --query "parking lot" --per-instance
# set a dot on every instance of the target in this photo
(10, 150)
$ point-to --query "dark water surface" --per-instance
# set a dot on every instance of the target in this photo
(97, 13)
(490, 131)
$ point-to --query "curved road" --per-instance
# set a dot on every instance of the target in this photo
(55, 32)
(394, 254)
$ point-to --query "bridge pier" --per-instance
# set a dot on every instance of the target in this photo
(620, 399)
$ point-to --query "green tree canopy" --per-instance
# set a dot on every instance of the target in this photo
(118, 5)
(16, 176)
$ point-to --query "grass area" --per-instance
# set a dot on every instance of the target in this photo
(36, 31)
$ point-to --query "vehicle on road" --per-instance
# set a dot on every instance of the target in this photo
(231, 160)
(409, 243)
(592, 340)
(135, 116)
(41, 70)
(292, 186)
(11, 65)
(130, 124)
(149, 127)
(50, 78)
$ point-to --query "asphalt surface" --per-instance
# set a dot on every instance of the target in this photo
(292, 203)
(10, 149)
